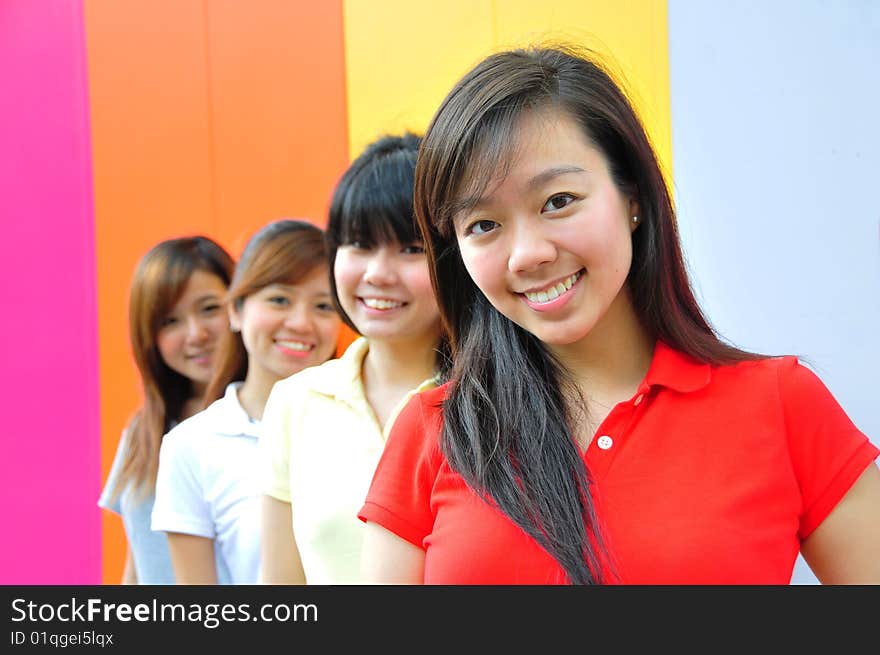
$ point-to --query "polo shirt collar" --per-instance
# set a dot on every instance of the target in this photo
(344, 382)
(227, 416)
(673, 369)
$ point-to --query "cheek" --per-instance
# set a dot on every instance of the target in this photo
(256, 324)
(418, 280)
(218, 324)
(485, 268)
(169, 344)
(346, 273)
(328, 332)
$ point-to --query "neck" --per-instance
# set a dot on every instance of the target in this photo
(192, 406)
(399, 364)
(254, 392)
(612, 360)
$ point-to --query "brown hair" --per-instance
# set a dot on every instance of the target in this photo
(283, 252)
(159, 280)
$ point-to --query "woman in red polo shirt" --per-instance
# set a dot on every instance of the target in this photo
(595, 428)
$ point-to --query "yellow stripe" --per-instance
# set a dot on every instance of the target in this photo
(403, 57)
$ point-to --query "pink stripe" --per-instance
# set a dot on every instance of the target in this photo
(50, 468)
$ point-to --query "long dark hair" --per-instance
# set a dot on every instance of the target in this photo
(509, 411)
(283, 252)
(159, 280)
(373, 204)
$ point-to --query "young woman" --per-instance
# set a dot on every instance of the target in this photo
(283, 321)
(326, 428)
(595, 429)
(175, 320)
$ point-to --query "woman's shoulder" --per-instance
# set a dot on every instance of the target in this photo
(433, 398)
(783, 379)
(775, 368)
(195, 427)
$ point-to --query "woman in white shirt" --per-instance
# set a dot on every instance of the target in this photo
(282, 321)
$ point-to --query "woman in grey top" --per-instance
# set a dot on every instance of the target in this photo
(176, 316)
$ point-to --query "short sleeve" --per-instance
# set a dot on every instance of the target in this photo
(828, 451)
(180, 504)
(107, 499)
(274, 452)
(399, 498)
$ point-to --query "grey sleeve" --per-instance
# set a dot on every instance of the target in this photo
(114, 505)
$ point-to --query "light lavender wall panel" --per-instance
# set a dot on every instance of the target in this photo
(776, 143)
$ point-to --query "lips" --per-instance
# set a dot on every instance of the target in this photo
(297, 346)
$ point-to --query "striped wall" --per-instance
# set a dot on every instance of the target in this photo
(124, 122)
(209, 116)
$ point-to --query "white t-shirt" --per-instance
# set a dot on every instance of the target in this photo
(208, 485)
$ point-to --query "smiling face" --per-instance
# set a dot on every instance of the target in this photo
(385, 289)
(549, 244)
(188, 334)
(287, 328)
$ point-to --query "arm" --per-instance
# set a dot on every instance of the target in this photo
(845, 547)
(129, 573)
(192, 558)
(281, 560)
(388, 559)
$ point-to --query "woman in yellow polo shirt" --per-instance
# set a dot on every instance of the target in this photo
(325, 428)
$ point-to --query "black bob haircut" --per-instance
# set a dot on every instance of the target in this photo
(373, 201)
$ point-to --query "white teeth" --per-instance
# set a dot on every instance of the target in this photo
(295, 345)
(381, 303)
(555, 291)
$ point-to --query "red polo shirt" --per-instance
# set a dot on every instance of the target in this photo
(708, 475)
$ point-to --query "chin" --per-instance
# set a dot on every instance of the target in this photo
(564, 337)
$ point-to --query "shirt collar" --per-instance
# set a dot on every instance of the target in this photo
(344, 382)
(674, 369)
(228, 416)
(343, 379)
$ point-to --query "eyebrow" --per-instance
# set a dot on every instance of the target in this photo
(476, 202)
(295, 288)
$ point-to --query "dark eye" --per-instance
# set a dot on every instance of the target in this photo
(413, 249)
(359, 245)
(481, 227)
(558, 201)
(280, 301)
(210, 309)
(325, 307)
(168, 320)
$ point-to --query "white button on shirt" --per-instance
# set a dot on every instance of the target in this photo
(605, 442)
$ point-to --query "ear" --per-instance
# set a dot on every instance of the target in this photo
(234, 317)
(635, 218)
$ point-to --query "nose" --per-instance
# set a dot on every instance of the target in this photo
(197, 331)
(379, 271)
(299, 318)
(530, 247)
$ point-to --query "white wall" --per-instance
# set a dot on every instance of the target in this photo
(776, 155)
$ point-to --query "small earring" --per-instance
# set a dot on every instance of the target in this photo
(635, 220)
(232, 328)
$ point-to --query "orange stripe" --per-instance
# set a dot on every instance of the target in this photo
(212, 118)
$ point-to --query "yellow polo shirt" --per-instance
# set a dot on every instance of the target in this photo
(321, 443)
